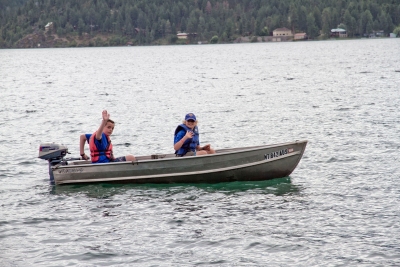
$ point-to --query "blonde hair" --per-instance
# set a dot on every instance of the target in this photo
(195, 122)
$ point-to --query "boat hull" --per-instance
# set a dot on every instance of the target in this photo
(237, 164)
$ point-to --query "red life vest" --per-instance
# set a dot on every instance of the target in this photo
(94, 151)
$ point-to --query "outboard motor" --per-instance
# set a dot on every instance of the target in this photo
(54, 154)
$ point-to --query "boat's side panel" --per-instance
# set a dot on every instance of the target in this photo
(260, 170)
(259, 163)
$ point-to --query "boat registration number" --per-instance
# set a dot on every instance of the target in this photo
(71, 170)
(277, 153)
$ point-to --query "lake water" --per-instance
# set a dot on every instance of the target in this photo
(340, 207)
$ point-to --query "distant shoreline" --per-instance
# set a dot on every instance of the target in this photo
(41, 40)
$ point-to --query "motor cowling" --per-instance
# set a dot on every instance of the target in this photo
(50, 151)
(54, 154)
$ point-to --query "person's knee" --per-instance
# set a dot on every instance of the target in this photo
(130, 158)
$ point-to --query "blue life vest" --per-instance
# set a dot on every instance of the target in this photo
(191, 143)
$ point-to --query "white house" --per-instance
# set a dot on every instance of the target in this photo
(282, 32)
(182, 35)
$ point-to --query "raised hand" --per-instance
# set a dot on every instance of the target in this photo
(106, 115)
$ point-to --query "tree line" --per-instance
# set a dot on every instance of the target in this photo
(149, 21)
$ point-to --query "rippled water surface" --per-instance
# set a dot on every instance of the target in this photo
(340, 207)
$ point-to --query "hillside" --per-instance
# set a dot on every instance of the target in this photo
(148, 22)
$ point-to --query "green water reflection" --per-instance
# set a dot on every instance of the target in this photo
(279, 186)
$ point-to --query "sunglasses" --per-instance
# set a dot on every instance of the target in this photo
(190, 120)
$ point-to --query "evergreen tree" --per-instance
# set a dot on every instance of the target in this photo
(312, 29)
(326, 22)
(348, 21)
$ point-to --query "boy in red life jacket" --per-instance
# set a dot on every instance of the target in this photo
(100, 143)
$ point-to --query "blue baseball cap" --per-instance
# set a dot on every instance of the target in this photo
(190, 116)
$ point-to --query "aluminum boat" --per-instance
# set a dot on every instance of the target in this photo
(233, 164)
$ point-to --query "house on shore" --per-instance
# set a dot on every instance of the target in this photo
(182, 35)
(282, 32)
(338, 33)
(300, 36)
